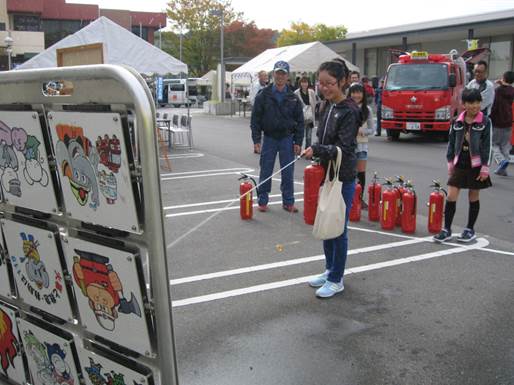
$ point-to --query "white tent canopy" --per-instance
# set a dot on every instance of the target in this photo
(301, 58)
(120, 47)
(210, 78)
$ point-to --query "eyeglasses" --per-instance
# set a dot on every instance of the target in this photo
(328, 84)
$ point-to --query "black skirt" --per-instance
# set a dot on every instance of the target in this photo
(467, 178)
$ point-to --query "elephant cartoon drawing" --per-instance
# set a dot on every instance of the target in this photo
(78, 161)
(28, 145)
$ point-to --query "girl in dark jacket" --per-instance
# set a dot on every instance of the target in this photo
(338, 128)
(469, 157)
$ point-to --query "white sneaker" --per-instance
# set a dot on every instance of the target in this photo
(319, 280)
(329, 289)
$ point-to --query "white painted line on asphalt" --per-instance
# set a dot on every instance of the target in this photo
(183, 156)
(497, 251)
(278, 179)
(289, 262)
(222, 209)
(216, 202)
(238, 169)
(481, 242)
(199, 175)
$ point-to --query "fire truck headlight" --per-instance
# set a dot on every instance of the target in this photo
(443, 113)
(387, 113)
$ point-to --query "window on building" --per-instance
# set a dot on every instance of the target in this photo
(2, 26)
(56, 30)
(143, 31)
(500, 59)
(26, 23)
(370, 62)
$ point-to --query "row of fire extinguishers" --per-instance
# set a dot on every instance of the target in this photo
(394, 204)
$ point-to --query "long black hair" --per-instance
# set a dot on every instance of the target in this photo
(357, 87)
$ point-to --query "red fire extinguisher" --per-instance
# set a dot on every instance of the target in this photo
(313, 176)
(246, 196)
(355, 211)
(400, 189)
(374, 196)
(436, 208)
(388, 206)
(409, 207)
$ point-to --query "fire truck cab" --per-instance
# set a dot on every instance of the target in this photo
(422, 92)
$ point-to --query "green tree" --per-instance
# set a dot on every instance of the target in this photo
(300, 32)
(199, 27)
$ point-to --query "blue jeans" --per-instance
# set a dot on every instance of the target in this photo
(269, 150)
(336, 249)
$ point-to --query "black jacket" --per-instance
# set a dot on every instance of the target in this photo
(277, 120)
(338, 127)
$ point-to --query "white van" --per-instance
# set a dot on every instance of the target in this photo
(177, 92)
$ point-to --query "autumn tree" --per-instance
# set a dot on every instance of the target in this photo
(246, 39)
(200, 31)
(197, 23)
(300, 32)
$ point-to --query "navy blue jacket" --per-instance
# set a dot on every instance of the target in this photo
(277, 120)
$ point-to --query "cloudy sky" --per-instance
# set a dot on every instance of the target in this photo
(355, 15)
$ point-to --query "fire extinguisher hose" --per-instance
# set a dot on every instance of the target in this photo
(213, 215)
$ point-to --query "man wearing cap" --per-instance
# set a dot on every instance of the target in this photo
(277, 113)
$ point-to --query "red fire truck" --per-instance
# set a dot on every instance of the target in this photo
(422, 92)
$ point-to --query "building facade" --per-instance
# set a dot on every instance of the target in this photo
(373, 50)
(35, 25)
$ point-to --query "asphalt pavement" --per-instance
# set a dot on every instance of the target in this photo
(412, 312)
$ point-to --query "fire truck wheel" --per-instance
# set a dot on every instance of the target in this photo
(394, 134)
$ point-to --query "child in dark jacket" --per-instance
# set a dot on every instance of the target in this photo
(469, 157)
(501, 117)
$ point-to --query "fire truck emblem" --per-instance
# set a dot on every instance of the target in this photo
(102, 286)
(413, 99)
(8, 343)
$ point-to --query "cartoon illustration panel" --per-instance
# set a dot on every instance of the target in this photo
(98, 370)
(11, 361)
(108, 293)
(24, 171)
(37, 268)
(93, 167)
(5, 289)
(49, 356)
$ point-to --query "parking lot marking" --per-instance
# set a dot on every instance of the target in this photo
(278, 179)
(289, 262)
(230, 207)
(216, 202)
(495, 251)
(238, 169)
(200, 175)
(481, 242)
(183, 156)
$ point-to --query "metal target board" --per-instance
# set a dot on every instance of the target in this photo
(49, 356)
(11, 361)
(5, 287)
(108, 292)
(24, 172)
(37, 268)
(93, 167)
(99, 370)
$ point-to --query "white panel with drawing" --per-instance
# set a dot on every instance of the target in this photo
(5, 287)
(50, 356)
(11, 362)
(93, 166)
(108, 292)
(37, 268)
(98, 369)
(24, 171)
